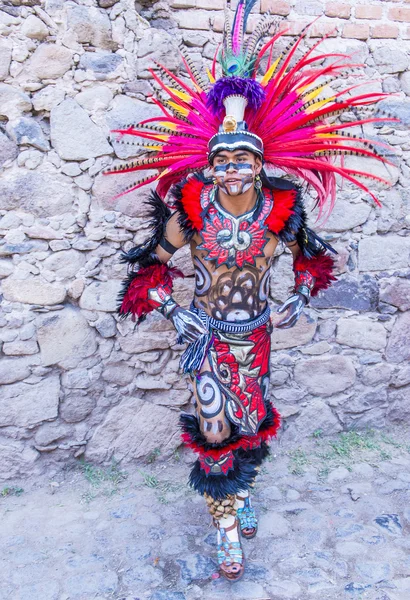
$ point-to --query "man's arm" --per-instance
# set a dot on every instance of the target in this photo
(150, 287)
(304, 283)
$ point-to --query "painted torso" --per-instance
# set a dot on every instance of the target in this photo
(232, 257)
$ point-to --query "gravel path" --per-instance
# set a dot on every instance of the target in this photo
(334, 524)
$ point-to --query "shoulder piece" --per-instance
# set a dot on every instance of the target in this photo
(187, 196)
(288, 220)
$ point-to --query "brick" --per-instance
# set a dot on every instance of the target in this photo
(336, 9)
(276, 7)
(205, 4)
(292, 27)
(219, 20)
(400, 13)
(357, 31)
(385, 31)
(306, 7)
(193, 19)
(368, 11)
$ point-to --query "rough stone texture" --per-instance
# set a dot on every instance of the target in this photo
(398, 347)
(65, 338)
(74, 135)
(33, 291)
(325, 375)
(124, 433)
(50, 61)
(72, 71)
(24, 404)
(361, 333)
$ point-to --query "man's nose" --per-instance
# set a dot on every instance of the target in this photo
(232, 167)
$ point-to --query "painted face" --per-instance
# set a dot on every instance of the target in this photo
(234, 178)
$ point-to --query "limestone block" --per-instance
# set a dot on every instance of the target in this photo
(28, 132)
(17, 460)
(65, 338)
(325, 375)
(298, 335)
(101, 295)
(161, 47)
(106, 187)
(42, 232)
(74, 135)
(6, 268)
(25, 405)
(396, 291)
(119, 373)
(65, 264)
(282, 278)
(133, 429)
(48, 433)
(349, 292)
(143, 341)
(20, 348)
(8, 148)
(399, 405)
(38, 192)
(48, 97)
(90, 26)
(95, 98)
(101, 63)
(33, 291)
(34, 28)
(390, 59)
(50, 61)
(12, 101)
(126, 111)
(317, 415)
(402, 377)
(76, 378)
(398, 346)
(5, 57)
(346, 215)
(13, 369)
(359, 332)
(76, 407)
(379, 253)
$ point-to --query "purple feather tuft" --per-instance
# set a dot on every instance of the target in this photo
(226, 86)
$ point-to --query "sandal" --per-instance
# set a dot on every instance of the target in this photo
(247, 518)
(230, 554)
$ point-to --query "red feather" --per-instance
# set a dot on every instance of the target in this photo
(320, 266)
(191, 201)
(283, 202)
(135, 300)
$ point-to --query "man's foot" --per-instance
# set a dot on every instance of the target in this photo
(230, 555)
(247, 517)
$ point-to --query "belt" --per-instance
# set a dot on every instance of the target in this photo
(229, 326)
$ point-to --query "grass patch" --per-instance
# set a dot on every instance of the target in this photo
(104, 481)
(150, 481)
(152, 456)
(11, 491)
(298, 461)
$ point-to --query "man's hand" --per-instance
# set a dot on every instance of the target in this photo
(187, 324)
(294, 305)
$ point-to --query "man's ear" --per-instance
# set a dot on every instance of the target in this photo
(258, 163)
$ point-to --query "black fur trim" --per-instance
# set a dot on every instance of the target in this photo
(183, 219)
(239, 478)
(143, 254)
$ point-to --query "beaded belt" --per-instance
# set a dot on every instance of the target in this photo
(229, 326)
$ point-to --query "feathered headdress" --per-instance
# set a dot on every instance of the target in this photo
(285, 115)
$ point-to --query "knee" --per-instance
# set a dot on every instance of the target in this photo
(215, 433)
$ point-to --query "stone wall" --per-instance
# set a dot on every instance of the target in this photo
(76, 380)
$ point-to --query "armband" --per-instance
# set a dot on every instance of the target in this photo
(167, 246)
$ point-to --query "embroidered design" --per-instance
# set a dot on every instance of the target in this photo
(231, 240)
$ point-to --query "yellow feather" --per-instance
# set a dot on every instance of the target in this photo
(181, 95)
(268, 75)
(180, 109)
(314, 94)
(326, 135)
(169, 125)
(210, 76)
(317, 105)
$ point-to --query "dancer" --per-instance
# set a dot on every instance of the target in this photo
(211, 149)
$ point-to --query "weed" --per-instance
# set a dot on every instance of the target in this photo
(97, 475)
(149, 480)
(11, 491)
(298, 459)
(318, 433)
(152, 456)
(176, 455)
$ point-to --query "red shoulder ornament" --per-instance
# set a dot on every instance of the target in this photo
(283, 203)
(191, 201)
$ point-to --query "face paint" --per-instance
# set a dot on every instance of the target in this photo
(243, 179)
